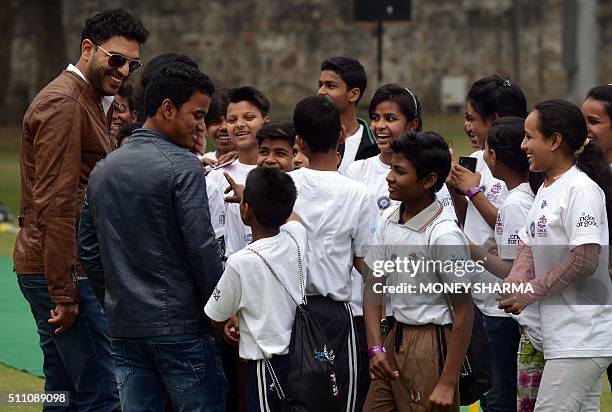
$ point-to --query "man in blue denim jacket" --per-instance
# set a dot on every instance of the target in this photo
(147, 245)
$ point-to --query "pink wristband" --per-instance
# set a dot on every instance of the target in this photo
(372, 351)
(472, 191)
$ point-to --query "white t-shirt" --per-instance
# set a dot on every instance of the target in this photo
(340, 220)
(511, 218)
(373, 173)
(218, 183)
(211, 155)
(237, 234)
(248, 288)
(566, 214)
(479, 232)
(409, 240)
(351, 145)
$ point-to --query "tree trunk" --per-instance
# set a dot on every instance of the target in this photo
(9, 13)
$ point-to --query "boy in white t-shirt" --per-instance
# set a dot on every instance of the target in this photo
(248, 109)
(216, 128)
(410, 373)
(275, 141)
(340, 219)
(264, 297)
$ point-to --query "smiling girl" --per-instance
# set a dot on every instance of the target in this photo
(564, 257)
(597, 110)
(394, 110)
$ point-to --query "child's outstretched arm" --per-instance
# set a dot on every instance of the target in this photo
(494, 264)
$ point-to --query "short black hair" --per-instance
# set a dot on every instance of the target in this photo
(126, 132)
(505, 137)
(150, 69)
(349, 70)
(111, 23)
(427, 152)
(316, 120)
(602, 93)
(251, 95)
(276, 131)
(270, 194)
(177, 83)
(127, 90)
(218, 106)
(406, 99)
(496, 94)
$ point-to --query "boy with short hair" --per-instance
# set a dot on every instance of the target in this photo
(248, 109)
(264, 303)
(340, 219)
(408, 372)
(275, 142)
(344, 81)
(216, 126)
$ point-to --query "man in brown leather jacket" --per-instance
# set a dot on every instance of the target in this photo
(65, 133)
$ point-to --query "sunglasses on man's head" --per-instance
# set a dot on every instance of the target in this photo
(116, 60)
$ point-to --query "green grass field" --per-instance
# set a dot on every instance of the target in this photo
(451, 127)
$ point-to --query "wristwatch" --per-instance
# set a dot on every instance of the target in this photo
(385, 326)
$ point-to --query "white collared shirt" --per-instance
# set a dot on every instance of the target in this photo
(430, 235)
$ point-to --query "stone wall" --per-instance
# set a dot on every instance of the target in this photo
(277, 45)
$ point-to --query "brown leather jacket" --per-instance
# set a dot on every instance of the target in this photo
(65, 133)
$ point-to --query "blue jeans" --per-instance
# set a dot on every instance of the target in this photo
(503, 335)
(77, 360)
(186, 367)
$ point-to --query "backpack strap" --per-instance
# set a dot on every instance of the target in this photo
(300, 270)
(446, 297)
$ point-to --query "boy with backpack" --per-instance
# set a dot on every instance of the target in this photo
(262, 283)
(340, 220)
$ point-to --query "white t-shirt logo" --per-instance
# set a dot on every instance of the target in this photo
(383, 202)
(216, 294)
(499, 225)
(542, 226)
(586, 220)
(514, 239)
(544, 204)
(494, 191)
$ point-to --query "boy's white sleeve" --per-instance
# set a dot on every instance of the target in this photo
(352, 172)
(585, 216)
(225, 299)
(235, 230)
(216, 204)
(366, 225)
(375, 257)
(514, 217)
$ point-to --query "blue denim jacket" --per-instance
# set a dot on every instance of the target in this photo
(145, 238)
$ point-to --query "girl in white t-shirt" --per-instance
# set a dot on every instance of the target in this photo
(562, 260)
(489, 99)
(597, 110)
(508, 162)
